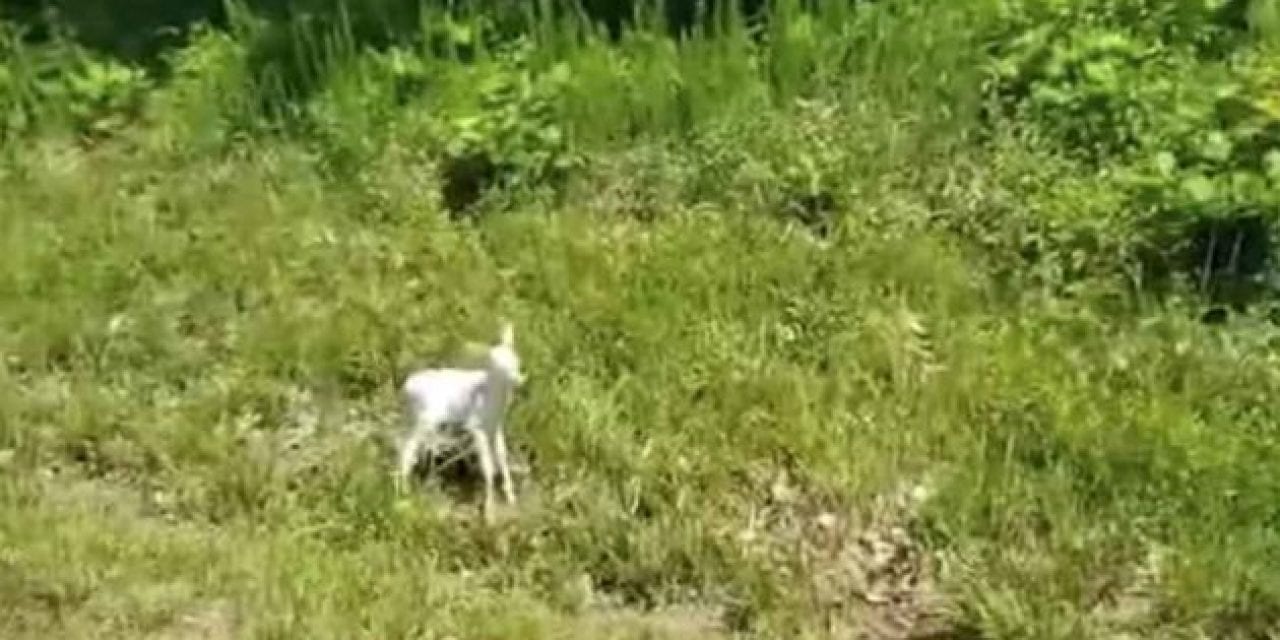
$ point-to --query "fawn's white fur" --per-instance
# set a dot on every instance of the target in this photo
(476, 400)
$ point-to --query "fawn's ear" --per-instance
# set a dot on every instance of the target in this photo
(508, 334)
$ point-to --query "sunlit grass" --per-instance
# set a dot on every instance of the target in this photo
(202, 332)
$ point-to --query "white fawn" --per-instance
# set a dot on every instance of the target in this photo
(476, 400)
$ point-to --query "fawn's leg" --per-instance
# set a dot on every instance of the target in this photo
(500, 452)
(486, 468)
(410, 448)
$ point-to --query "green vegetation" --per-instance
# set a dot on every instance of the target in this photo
(840, 317)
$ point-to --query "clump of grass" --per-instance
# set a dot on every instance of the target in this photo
(680, 365)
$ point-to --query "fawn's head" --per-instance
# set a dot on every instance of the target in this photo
(503, 360)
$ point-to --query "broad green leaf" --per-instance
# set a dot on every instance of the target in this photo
(1199, 188)
(1271, 162)
(1166, 163)
(1217, 147)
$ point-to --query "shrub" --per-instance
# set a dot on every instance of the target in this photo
(61, 83)
(1163, 100)
(208, 95)
(508, 133)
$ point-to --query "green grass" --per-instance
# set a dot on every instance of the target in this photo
(202, 330)
(161, 326)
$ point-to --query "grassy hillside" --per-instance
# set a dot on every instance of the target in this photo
(864, 319)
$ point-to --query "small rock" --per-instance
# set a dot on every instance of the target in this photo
(920, 493)
(899, 536)
(781, 493)
(827, 520)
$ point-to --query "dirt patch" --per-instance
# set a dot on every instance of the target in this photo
(210, 621)
(1127, 604)
(867, 573)
(677, 623)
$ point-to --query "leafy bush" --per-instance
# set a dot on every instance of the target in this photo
(1103, 75)
(60, 82)
(494, 121)
(1209, 184)
(208, 95)
(508, 132)
(1164, 101)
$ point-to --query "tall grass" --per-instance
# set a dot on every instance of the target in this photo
(207, 309)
